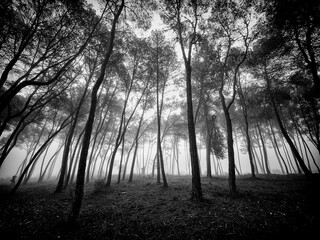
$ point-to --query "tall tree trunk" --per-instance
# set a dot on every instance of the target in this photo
(232, 173)
(76, 205)
(196, 181)
(121, 160)
(177, 158)
(158, 165)
(196, 192)
(65, 156)
(208, 140)
(238, 153)
(159, 111)
(153, 165)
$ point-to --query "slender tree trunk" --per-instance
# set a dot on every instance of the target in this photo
(239, 162)
(266, 160)
(158, 166)
(208, 141)
(42, 163)
(159, 111)
(172, 156)
(289, 159)
(315, 110)
(45, 151)
(246, 122)
(54, 156)
(96, 142)
(153, 166)
(136, 141)
(276, 153)
(37, 154)
(72, 167)
(177, 159)
(121, 160)
(232, 174)
(196, 192)
(52, 168)
(134, 159)
(276, 147)
(196, 181)
(64, 162)
(308, 148)
(123, 127)
(127, 160)
(284, 132)
(300, 148)
(256, 160)
(260, 151)
(76, 205)
(220, 167)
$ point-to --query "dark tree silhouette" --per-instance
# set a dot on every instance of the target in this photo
(76, 205)
(187, 39)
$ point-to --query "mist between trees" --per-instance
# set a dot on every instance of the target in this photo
(222, 88)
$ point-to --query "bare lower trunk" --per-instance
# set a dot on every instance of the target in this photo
(232, 173)
(196, 193)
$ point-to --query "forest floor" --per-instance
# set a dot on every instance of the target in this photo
(269, 207)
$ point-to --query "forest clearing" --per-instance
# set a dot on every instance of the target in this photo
(267, 207)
